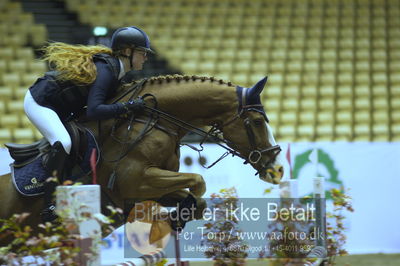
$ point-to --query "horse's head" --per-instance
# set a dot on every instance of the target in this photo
(250, 134)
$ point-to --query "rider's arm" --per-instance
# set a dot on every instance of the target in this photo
(98, 95)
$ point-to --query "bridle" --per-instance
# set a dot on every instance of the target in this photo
(255, 154)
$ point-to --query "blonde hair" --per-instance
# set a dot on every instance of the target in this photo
(74, 62)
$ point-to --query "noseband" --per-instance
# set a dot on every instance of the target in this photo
(255, 154)
(246, 105)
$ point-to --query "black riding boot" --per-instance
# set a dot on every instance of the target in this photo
(55, 170)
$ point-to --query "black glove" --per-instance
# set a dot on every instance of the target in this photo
(136, 106)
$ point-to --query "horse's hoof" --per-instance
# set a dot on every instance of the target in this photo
(181, 213)
(48, 214)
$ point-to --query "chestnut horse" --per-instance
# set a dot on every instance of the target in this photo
(148, 169)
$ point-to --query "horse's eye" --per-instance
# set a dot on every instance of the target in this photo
(258, 122)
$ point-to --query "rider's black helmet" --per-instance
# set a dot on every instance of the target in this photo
(130, 37)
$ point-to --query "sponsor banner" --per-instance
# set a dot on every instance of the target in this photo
(369, 171)
(5, 160)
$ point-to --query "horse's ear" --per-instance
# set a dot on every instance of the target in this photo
(257, 89)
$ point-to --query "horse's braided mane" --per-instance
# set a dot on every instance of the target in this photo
(179, 78)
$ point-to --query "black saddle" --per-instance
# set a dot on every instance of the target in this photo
(25, 153)
(31, 161)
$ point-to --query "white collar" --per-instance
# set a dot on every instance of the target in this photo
(121, 69)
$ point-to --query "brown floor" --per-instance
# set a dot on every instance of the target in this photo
(353, 260)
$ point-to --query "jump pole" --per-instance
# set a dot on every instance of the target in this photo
(145, 260)
(289, 189)
(319, 196)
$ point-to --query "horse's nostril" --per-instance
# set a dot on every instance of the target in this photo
(280, 169)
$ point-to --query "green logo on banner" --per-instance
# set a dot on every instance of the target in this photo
(302, 160)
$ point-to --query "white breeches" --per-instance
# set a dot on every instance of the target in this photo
(47, 122)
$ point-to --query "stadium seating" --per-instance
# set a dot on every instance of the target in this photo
(18, 70)
(333, 65)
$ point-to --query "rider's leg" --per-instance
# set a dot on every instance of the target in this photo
(47, 122)
(51, 127)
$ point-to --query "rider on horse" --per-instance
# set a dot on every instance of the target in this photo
(83, 76)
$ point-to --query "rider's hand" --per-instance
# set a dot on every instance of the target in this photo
(136, 106)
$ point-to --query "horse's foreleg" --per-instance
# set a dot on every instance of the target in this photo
(172, 199)
(160, 182)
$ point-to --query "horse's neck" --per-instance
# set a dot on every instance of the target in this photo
(202, 103)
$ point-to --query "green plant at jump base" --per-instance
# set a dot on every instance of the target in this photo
(335, 228)
(25, 244)
(286, 250)
(56, 243)
(221, 248)
(335, 231)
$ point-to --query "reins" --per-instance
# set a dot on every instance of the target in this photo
(212, 133)
(254, 154)
(155, 115)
